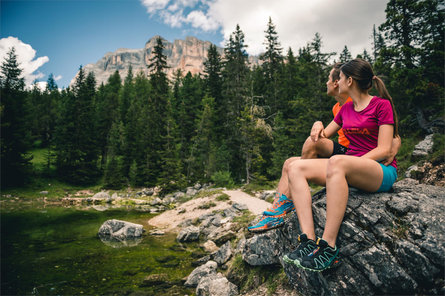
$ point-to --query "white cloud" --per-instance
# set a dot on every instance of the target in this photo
(339, 22)
(154, 5)
(26, 57)
(58, 77)
(199, 20)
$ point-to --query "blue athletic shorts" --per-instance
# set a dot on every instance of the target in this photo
(389, 177)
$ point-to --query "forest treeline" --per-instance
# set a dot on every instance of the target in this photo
(233, 122)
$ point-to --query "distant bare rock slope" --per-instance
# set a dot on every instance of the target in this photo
(187, 55)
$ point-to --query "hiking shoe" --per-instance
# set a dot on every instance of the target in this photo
(323, 257)
(266, 223)
(305, 247)
(281, 206)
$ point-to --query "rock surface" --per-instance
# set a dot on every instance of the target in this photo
(216, 285)
(423, 148)
(201, 272)
(390, 243)
(120, 230)
(188, 234)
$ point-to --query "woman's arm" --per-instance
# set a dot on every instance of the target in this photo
(383, 149)
(396, 143)
(318, 131)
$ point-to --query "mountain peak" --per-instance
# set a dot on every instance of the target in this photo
(187, 55)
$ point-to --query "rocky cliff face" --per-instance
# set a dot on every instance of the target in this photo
(186, 55)
(390, 243)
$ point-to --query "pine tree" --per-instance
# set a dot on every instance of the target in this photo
(113, 175)
(126, 95)
(345, 55)
(171, 177)
(235, 93)
(272, 67)
(107, 111)
(15, 135)
(156, 111)
(76, 141)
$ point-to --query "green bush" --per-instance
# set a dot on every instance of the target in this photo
(223, 179)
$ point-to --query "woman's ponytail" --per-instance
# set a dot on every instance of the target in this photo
(383, 93)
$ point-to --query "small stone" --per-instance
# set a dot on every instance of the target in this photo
(210, 247)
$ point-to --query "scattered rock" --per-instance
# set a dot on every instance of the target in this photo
(44, 192)
(221, 235)
(188, 234)
(201, 272)
(156, 201)
(191, 191)
(102, 195)
(223, 254)
(216, 285)
(157, 232)
(423, 148)
(210, 247)
(239, 207)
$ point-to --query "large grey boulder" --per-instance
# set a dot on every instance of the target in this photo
(390, 243)
(216, 285)
(120, 230)
(188, 234)
(201, 272)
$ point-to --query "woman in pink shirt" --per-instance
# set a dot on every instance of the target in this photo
(369, 123)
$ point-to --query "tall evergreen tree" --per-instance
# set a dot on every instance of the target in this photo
(235, 92)
(76, 143)
(345, 55)
(107, 111)
(156, 111)
(272, 66)
(15, 136)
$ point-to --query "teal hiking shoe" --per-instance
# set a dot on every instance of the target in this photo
(266, 223)
(322, 258)
(281, 206)
(305, 247)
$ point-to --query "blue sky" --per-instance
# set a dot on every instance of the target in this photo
(58, 36)
(74, 33)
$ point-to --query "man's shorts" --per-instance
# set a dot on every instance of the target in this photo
(338, 149)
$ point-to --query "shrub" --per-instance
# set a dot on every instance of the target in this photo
(223, 179)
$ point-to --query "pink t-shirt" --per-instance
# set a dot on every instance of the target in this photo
(362, 127)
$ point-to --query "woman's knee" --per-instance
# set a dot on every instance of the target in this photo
(336, 165)
(295, 169)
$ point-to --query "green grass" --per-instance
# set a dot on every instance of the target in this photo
(207, 205)
(223, 197)
(44, 179)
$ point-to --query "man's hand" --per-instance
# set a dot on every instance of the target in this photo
(317, 131)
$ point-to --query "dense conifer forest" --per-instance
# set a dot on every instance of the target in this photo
(234, 122)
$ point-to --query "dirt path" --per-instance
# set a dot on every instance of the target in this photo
(255, 205)
(170, 220)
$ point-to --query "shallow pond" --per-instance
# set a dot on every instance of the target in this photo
(55, 251)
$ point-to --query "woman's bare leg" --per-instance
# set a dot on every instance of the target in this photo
(362, 173)
(300, 172)
(323, 148)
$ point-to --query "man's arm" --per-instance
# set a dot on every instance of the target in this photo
(318, 131)
(396, 143)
